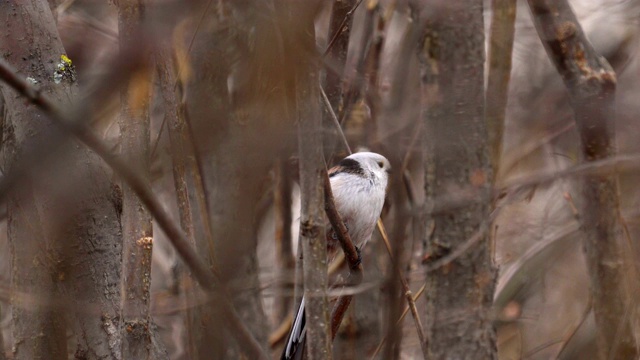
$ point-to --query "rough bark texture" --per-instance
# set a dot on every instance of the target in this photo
(591, 83)
(62, 243)
(460, 294)
(136, 221)
(314, 246)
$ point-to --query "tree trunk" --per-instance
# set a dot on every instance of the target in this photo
(136, 220)
(591, 84)
(460, 293)
(64, 225)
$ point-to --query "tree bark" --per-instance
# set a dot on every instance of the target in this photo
(136, 220)
(591, 83)
(314, 246)
(460, 294)
(64, 242)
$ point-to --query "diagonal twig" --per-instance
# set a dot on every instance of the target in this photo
(404, 314)
(341, 28)
(351, 254)
(205, 277)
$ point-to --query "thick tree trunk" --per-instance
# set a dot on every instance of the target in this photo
(64, 242)
(460, 294)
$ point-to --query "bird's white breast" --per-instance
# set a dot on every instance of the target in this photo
(359, 201)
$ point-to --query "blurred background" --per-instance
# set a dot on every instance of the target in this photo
(203, 100)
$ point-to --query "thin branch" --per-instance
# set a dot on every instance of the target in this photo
(404, 314)
(499, 72)
(573, 331)
(407, 291)
(335, 120)
(342, 233)
(344, 23)
(351, 254)
(619, 164)
(76, 125)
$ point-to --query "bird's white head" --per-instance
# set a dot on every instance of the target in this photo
(374, 165)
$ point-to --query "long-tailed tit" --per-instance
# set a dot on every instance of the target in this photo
(359, 184)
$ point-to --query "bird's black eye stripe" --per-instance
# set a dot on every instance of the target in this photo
(349, 166)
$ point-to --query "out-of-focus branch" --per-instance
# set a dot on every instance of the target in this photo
(77, 127)
(499, 72)
(591, 83)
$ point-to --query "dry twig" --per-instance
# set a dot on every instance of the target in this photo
(351, 254)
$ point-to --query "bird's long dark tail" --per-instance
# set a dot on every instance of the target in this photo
(294, 347)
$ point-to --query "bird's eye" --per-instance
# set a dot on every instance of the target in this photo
(380, 164)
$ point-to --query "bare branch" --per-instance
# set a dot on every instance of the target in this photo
(312, 234)
(77, 127)
(591, 84)
(351, 255)
(500, 49)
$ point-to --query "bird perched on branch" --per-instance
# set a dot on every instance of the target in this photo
(359, 184)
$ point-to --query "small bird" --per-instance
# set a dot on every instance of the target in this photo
(359, 184)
